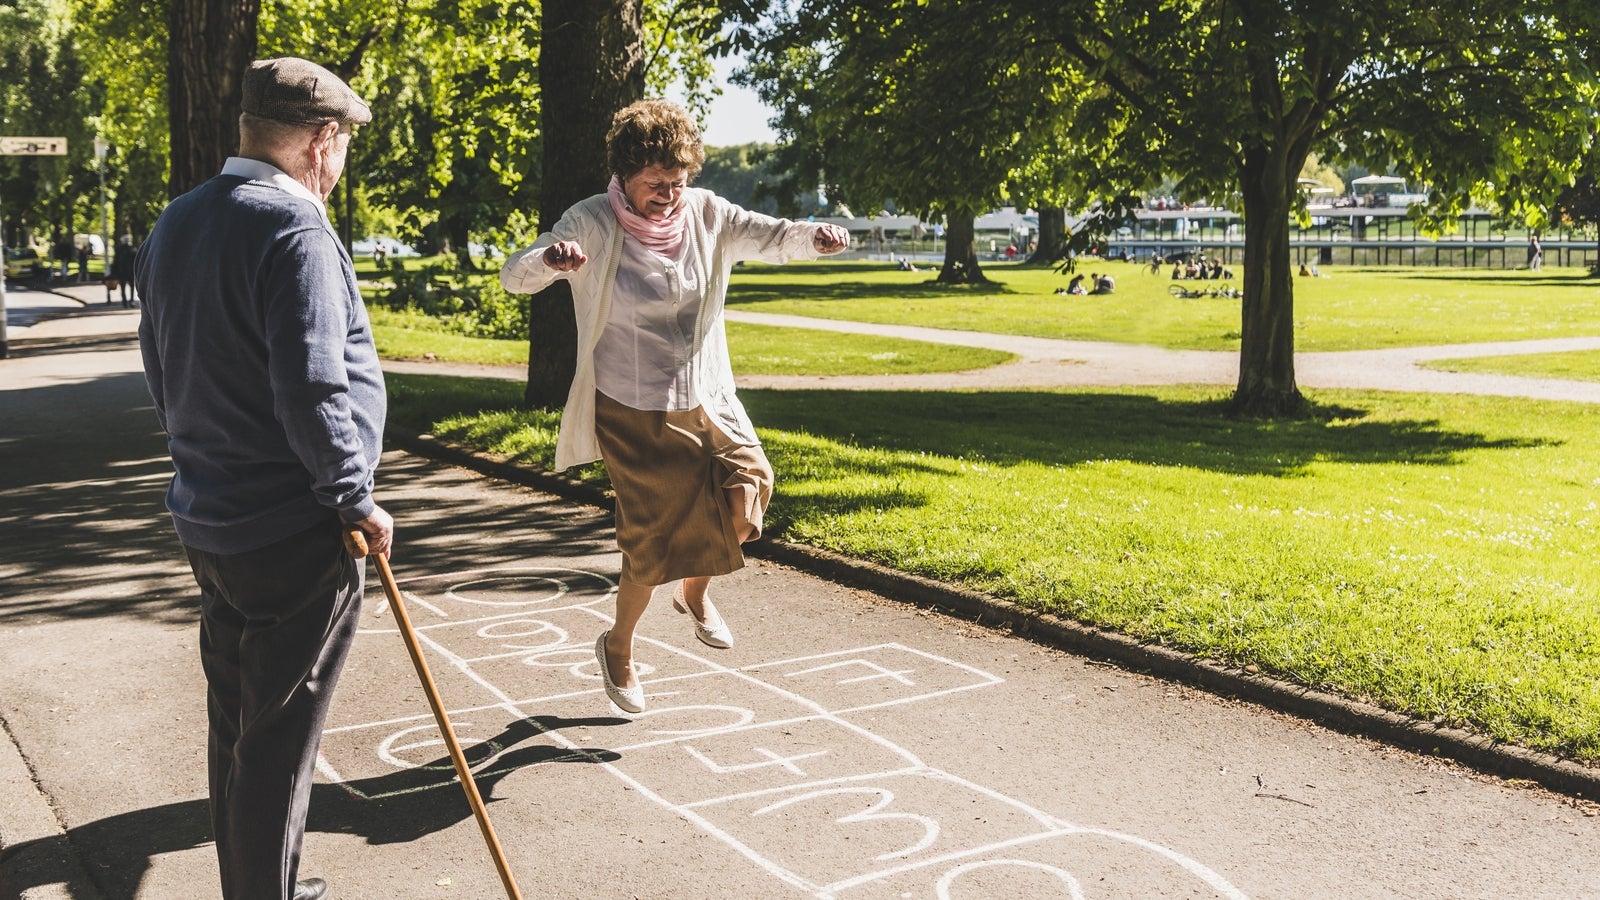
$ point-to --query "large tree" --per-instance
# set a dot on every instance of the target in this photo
(1232, 96)
(1579, 205)
(936, 105)
(596, 57)
(591, 64)
(209, 45)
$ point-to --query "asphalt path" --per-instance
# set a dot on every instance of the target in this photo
(847, 746)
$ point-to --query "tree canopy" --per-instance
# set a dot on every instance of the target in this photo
(1486, 97)
(895, 101)
(948, 106)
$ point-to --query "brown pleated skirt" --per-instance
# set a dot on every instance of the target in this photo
(672, 472)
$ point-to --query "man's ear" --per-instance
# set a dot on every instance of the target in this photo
(325, 134)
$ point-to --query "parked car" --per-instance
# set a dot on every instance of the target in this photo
(24, 264)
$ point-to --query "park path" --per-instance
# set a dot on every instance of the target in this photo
(1047, 363)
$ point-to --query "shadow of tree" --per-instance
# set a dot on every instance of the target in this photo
(1567, 280)
(87, 535)
(26, 347)
(826, 283)
(1064, 429)
(394, 808)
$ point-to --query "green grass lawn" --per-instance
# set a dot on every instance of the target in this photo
(1581, 365)
(412, 335)
(1433, 554)
(754, 349)
(1352, 308)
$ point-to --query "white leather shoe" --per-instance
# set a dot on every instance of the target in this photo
(626, 699)
(717, 636)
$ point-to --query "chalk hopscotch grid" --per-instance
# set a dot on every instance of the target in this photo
(700, 812)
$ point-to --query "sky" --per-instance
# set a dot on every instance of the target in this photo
(738, 116)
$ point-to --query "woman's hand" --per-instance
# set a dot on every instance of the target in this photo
(565, 256)
(830, 239)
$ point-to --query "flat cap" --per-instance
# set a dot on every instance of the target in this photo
(290, 89)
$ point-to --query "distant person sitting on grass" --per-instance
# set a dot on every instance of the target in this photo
(1075, 286)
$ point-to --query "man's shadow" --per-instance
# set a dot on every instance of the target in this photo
(396, 807)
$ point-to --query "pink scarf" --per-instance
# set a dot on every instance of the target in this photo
(664, 236)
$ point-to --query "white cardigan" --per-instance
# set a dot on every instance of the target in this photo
(722, 233)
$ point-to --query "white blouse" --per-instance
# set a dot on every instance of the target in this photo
(645, 358)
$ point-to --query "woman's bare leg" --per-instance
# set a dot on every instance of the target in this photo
(741, 500)
(632, 600)
(700, 606)
(741, 503)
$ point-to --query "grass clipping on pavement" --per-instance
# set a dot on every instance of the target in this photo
(1432, 554)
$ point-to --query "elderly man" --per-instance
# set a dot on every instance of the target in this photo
(259, 356)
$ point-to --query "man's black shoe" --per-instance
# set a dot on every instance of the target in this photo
(310, 889)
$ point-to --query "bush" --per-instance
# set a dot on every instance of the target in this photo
(468, 304)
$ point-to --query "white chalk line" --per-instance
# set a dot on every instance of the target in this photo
(1055, 826)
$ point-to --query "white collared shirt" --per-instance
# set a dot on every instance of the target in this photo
(256, 170)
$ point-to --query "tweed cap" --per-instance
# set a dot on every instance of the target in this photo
(289, 89)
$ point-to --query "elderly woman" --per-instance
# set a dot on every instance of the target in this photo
(653, 395)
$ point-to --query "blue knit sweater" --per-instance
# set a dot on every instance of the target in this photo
(260, 359)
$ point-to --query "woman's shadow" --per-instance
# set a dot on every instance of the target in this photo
(393, 808)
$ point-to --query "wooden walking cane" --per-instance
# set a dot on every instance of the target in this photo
(355, 541)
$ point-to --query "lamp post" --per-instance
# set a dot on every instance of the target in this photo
(5, 344)
(100, 148)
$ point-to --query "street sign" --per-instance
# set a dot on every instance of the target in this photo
(33, 146)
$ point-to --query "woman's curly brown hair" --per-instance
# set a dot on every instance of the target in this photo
(654, 132)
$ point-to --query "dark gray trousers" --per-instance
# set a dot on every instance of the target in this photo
(276, 625)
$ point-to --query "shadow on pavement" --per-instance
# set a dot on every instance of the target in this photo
(87, 535)
(395, 808)
(25, 347)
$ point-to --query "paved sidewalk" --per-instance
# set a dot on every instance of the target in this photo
(848, 746)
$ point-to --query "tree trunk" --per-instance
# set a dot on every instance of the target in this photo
(461, 241)
(961, 251)
(1052, 236)
(1266, 351)
(209, 45)
(591, 64)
